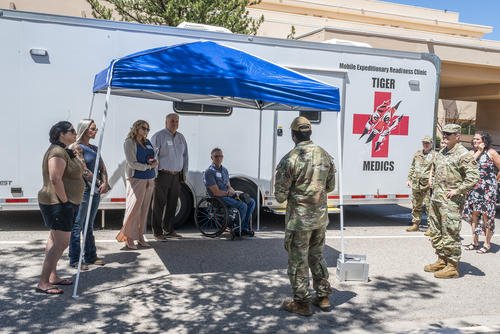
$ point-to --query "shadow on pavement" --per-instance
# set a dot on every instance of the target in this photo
(222, 255)
(467, 269)
(233, 286)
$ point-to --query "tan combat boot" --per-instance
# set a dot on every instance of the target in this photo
(436, 266)
(450, 271)
(428, 233)
(322, 302)
(301, 308)
(413, 228)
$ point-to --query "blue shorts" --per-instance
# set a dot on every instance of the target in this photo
(59, 216)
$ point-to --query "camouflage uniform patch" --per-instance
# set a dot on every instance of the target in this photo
(419, 178)
(303, 178)
(457, 170)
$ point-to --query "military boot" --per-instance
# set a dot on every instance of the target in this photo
(428, 233)
(450, 271)
(413, 228)
(436, 266)
(322, 302)
(301, 308)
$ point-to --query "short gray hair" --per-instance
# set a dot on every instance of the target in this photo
(171, 115)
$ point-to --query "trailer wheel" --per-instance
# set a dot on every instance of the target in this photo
(249, 188)
(184, 209)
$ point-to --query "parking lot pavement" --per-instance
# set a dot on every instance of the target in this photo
(201, 285)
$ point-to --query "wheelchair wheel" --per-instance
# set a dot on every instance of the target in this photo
(211, 216)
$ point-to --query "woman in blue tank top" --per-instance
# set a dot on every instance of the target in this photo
(86, 131)
(140, 172)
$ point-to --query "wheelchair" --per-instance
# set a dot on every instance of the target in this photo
(213, 217)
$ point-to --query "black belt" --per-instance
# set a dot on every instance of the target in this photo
(168, 172)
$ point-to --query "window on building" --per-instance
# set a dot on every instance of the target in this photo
(312, 116)
(205, 109)
(468, 128)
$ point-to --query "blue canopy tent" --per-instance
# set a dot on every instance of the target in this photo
(209, 73)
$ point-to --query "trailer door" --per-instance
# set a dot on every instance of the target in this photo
(324, 124)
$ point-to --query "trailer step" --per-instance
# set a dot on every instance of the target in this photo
(283, 211)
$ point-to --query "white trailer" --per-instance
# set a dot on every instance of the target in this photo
(48, 64)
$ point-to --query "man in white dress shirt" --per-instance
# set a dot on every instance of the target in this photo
(172, 170)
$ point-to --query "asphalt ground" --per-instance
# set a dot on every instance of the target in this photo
(203, 285)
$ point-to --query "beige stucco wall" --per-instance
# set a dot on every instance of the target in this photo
(489, 119)
(61, 7)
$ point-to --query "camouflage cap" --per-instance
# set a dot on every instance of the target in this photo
(452, 128)
(300, 124)
(427, 139)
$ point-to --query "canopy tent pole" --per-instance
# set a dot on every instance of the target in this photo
(258, 168)
(92, 190)
(91, 106)
(340, 185)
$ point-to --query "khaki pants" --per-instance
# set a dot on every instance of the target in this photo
(139, 193)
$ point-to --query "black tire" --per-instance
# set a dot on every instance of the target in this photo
(184, 207)
(251, 189)
(211, 217)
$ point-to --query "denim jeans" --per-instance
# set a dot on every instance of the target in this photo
(78, 227)
(244, 209)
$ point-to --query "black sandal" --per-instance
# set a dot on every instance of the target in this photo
(471, 247)
(483, 250)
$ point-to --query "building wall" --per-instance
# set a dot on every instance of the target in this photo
(79, 8)
(489, 119)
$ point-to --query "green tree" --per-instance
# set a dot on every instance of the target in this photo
(231, 14)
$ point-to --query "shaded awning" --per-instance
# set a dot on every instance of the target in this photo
(210, 73)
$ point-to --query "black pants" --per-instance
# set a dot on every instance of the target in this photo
(167, 188)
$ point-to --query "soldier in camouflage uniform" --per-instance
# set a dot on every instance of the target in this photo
(418, 181)
(455, 172)
(304, 176)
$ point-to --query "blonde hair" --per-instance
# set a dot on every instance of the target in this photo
(134, 130)
(82, 128)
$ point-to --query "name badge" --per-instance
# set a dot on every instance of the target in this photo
(170, 143)
(218, 174)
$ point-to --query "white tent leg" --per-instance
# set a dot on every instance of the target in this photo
(258, 170)
(91, 106)
(92, 190)
(340, 183)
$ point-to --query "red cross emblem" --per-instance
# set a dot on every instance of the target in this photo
(381, 124)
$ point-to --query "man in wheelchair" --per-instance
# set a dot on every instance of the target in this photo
(216, 179)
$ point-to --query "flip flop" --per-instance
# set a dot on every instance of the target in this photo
(483, 250)
(63, 281)
(50, 290)
(471, 247)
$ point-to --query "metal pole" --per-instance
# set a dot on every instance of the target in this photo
(91, 106)
(340, 122)
(92, 190)
(341, 194)
(258, 169)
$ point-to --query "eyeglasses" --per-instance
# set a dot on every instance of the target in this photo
(93, 129)
(72, 131)
(145, 128)
(218, 156)
(447, 134)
